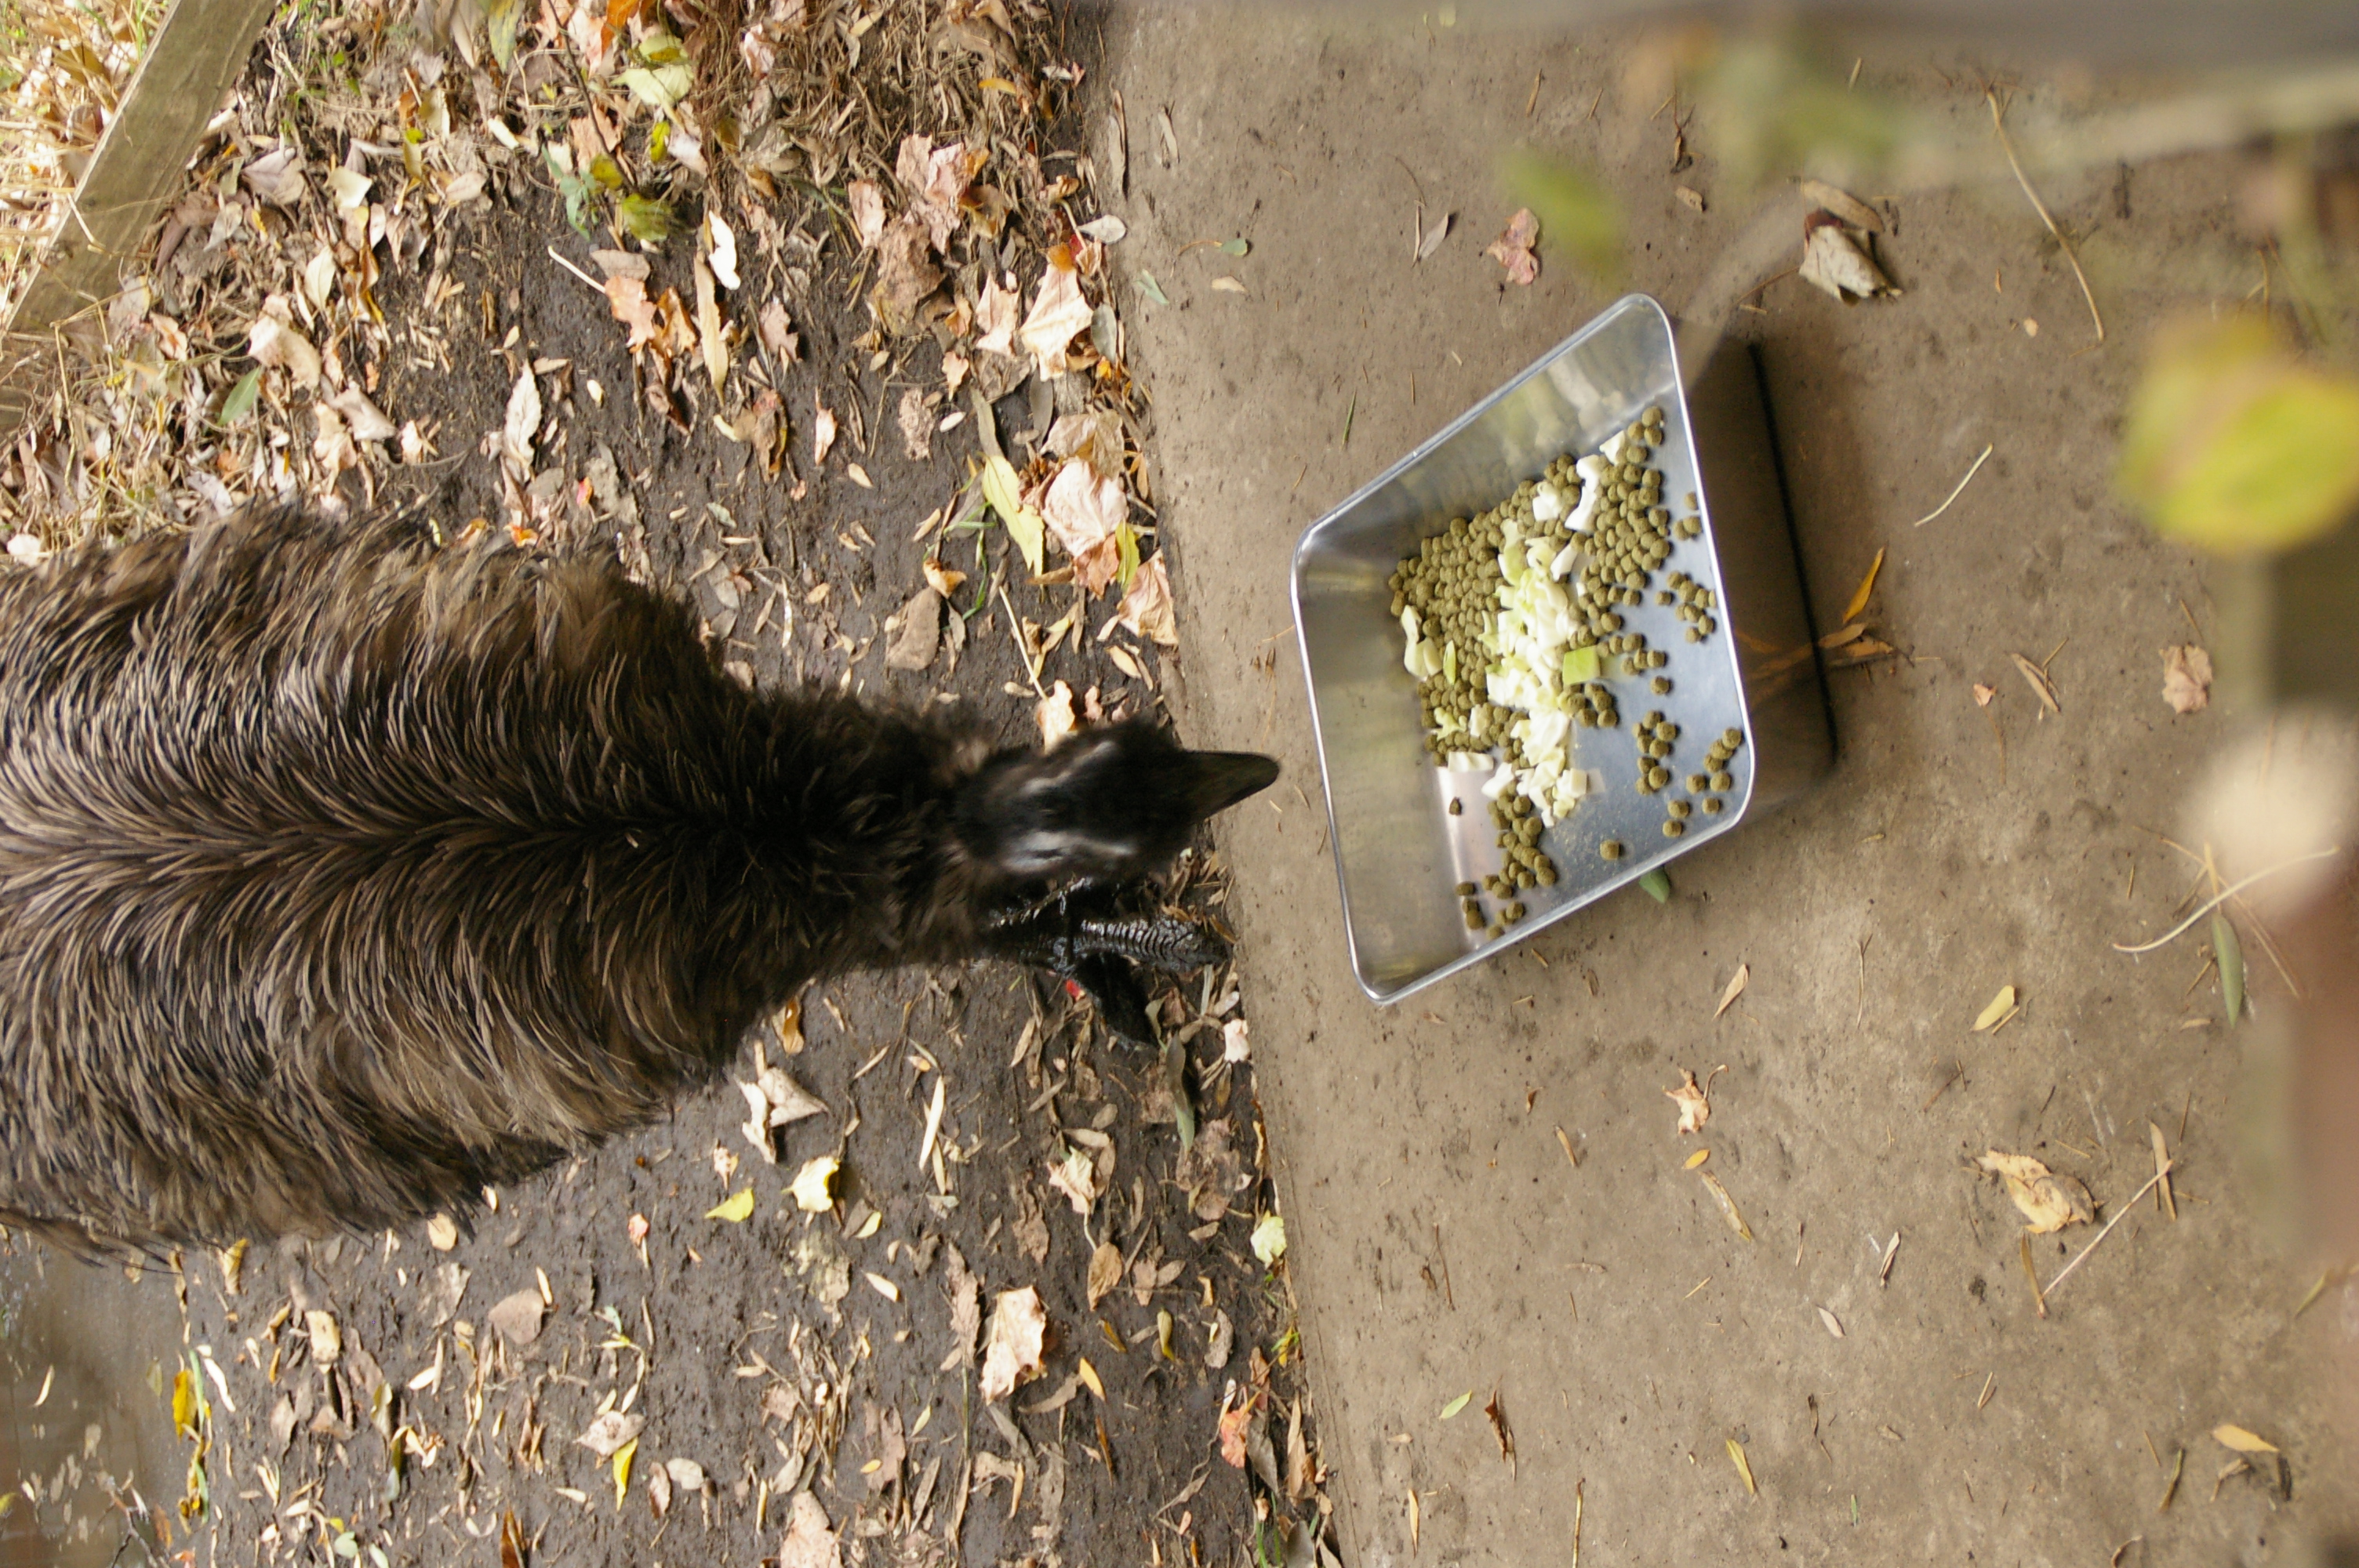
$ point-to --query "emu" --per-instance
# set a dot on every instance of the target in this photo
(343, 874)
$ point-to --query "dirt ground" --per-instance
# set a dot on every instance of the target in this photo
(1442, 1244)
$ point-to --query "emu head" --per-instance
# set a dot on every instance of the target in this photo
(1108, 805)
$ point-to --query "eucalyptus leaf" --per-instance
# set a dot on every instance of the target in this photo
(241, 399)
(2230, 952)
(1152, 289)
(1236, 247)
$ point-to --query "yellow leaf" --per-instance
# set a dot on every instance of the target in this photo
(1743, 1467)
(1993, 1015)
(736, 1208)
(811, 1188)
(184, 1403)
(1454, 1406)
(2243, 1442)
(622, 1456)
(1866, 586)
(1090, 1376)
(1736, 985)
(1727, 1206)
(1698, 1158)
(1026, 526)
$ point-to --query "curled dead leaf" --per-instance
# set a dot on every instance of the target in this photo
(1835, 262)
(1693, 1098)
(1513, 248)
(2050, 1200)
(2187, 679)
(1011, 1351)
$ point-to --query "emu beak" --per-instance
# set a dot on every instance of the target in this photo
(1216, 781)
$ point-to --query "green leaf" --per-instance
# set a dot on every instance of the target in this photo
(502, 17)
(659, 87)
(347, 1547)
(1454, 1406)
(1576, 211)
(1236, 247)
(2235, 443)
(606, 172)
(645, 219)
(736, 1208)
(2230, 952)
(1657, 885)
(658, 140)
(1183, 1107)
(1152, 289)
(241, 398)
(1002, 489)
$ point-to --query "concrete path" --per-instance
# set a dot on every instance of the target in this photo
(1442, 1243)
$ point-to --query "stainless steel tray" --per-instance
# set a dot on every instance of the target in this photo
(1398, 853)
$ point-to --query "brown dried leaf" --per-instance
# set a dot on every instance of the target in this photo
(1843, 205)
(1982, 694)
(1513, 248)
(2050, 1200)
(916, 631)
(2243, 1442)
(518, 1317)
(1146, 607)
(2187, 679)
(2036, 679)
(1106, 1271)
(1011, 1351)
(1833, 261)
(809, 1543)
(1727, 1205)
(1727, 999)
(1694, 1099)
(1059, 313)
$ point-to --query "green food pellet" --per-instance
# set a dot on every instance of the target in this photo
(1673, 828)
(1457, 808)
(1515, 912)
(1465, 889)
(1474, 917)
(1547, 874)
(1611, 848)
(1496, 931)
(1658, 777)
(1694, 635)
(1711, 805)
(1698, 783)
(1731, 738)
(1679, 810)
(1659, 684)
(1724, 782)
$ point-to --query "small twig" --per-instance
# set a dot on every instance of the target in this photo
(2007, 145)
(2210, 904)
(2066, 1272)
(1023, 653)
(1962, 484)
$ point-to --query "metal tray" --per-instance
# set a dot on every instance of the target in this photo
(1398, 853)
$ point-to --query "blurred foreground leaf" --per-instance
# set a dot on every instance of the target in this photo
(1772, 106)
(1577, 213)
(2235, 443)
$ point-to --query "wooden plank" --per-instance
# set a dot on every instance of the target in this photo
(136, 173)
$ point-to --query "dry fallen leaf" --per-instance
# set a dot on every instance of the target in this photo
(1982, 694)
(1057, 719)
(1011, 1350)
(1833, 261)
(442, 1232)
(1743, 1467)
(1727, 1206)
(2002, 1008)
(1693, 1098)
(1835, 1325)
(1513, 248)
(1429, 240)
(811, 1187)
(2050, 1200)
(1691, 195)
(2187, 679)
(1146, 609)
(1843, 205)
(809, 1543)
(1106, 1271)
(916, 632)
(518, 1317)
(1059, 313)
(1735, 988)
(1866, 586)
(2243, 1442)
(327, 1339)
(1499, 1429)
(1082, 510)
(823, 432)
(606, 1435)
